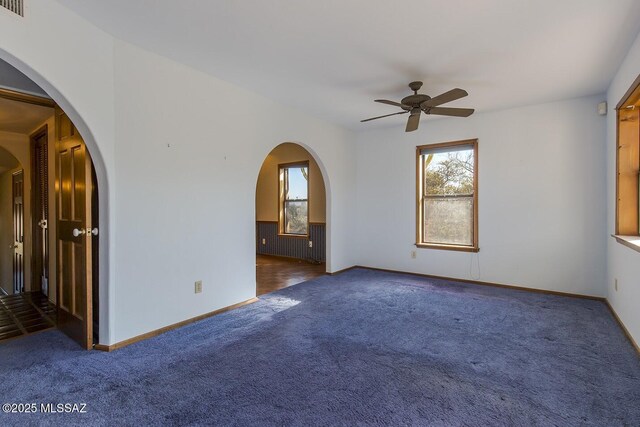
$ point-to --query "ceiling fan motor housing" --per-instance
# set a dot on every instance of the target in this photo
(414, 101)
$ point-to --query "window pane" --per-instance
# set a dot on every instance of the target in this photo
(295, 217)
(448, 220)
(449, 172)
(297, 183)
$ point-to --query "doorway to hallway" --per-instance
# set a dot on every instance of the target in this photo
(52, 220)
(290, 219)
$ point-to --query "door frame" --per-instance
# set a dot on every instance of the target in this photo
(35, 228)
(31, 222)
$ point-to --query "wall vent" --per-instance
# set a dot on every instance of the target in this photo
(15, 6)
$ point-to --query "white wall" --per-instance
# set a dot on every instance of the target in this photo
(189, 150)
(541, 187)
(10, 78)
(623, 262)
(176, 221)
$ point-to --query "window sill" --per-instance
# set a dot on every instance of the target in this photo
(632, 242)
(295, 236)
(448, 247)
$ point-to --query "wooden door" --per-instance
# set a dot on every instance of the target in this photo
(18, 231)
(74, 236)
(40, 212)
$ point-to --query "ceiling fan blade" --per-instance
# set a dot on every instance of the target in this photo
(386, 115)
(445, 111)
(396, 104)
(413, 122)
(449, 96)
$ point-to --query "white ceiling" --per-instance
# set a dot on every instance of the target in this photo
(331, 58)
(21, 117)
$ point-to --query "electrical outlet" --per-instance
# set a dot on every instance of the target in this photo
(264, 241)
(615, 284)
(310, 243)
(198, 287)
(413, 254)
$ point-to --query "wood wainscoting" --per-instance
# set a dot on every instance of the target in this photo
(291, 246)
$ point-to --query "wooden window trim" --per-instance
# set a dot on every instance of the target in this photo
(419, 196)
(630, 97)
(294, 236)
(460, 248)
(282, 200)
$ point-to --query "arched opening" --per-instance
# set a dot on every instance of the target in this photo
(61, 251)
(291, 219)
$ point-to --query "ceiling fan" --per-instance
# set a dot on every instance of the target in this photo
(419, 103)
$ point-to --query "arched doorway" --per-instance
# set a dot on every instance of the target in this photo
(61, 244)
(291, 219)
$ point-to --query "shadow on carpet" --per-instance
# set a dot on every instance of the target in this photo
(360, 348)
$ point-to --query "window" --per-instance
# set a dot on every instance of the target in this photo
(628, 163)
(447, 196)
(294, 201)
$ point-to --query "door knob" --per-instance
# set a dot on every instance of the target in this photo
(78, 232)
(94, 231)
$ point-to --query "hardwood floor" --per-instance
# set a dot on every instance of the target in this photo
(273, 273)
(22, 314)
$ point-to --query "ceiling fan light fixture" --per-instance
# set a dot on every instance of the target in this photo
(420, 103)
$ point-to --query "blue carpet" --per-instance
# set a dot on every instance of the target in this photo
(360, 348)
